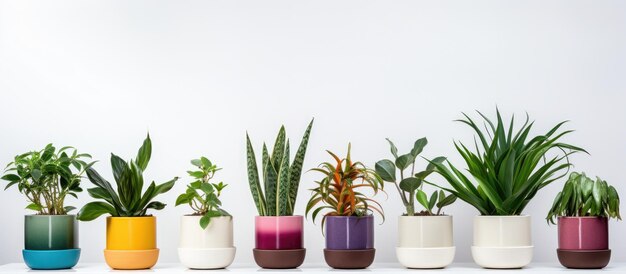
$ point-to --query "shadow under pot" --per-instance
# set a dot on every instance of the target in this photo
(209, 248)
(349, 241)
(584, 242)
(131, 242)
(50, 241)
(279, 241)
(502, 241)
(425, 241)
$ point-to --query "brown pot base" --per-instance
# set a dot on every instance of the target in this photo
(279, 259)
(584, 259)
(349, 259)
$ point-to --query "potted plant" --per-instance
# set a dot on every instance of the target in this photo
(278, 233)
(583, 209)
(46, 178)
(425, 238)
(131, 231)
(507, 168)
(348, 218)
(206, 236)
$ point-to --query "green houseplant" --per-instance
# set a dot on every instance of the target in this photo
(131, 232)
(508, 168)
(208, 245)
(279, 234)
(46, 177)
(348, 211)
(425, 238)
(201, 195)
(583, 209)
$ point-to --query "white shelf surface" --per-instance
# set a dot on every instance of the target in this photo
(544, 268)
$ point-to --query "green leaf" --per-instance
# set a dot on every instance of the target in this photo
(404, 161)
(295, 170)
(394, 149)
(93, 210)
(34, 207)
(207, 188)
(270, 178)
(196, 174)
(156, 205)
(386, 169)
(282, 186)
(432, 163)
(184, 198)
(410, 184)
(11, 178)
(433, 201)
(144, 153)
(204, 221)
(253, 179)
(418, 147)
(422, 198)
(196, 162)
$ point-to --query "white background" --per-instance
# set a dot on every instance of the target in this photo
(197, 74)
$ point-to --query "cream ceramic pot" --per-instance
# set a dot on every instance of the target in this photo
(502, 241)
(425, 241)
(209, 248)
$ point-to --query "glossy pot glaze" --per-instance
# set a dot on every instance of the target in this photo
(583, 233)
(349, 232)
(131, 242)
(209, 248)
(279, 232)
(50, 232)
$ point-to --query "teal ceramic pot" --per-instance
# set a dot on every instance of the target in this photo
(50, 232)
(50, 241)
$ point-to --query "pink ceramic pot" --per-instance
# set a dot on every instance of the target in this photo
(279, 232)
(583, 233)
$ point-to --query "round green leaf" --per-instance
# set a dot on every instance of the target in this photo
(410, 184)
(386, 169)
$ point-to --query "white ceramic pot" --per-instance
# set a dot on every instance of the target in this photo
(502, 241)
(209, 248)
(425, 241)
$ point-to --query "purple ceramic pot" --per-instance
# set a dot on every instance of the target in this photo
(349, 233)
(583, 233)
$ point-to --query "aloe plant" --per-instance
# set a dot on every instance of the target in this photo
(508, 166)
(280, 178)
(582, 196)
(127, 201)
(46, 177)
(410, 187)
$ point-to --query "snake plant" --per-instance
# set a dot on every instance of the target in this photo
(508, 166)
(280, 178)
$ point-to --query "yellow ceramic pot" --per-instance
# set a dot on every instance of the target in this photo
(131, 242)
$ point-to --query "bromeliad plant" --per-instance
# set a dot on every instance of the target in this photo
(47, 176)
(339, 190)
(410, 188)
(202, 195)
(508, 166)
(280, 179)
(128, 200)
(582, 196)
